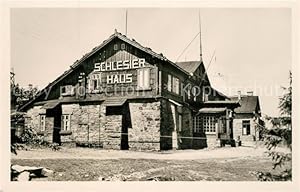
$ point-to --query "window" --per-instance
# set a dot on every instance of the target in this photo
(179, 122)
(67, 90)
(175, 87)
(209, 124)
(43, 122)
(169, 83)
(173, 84)
(197, 124)
(95, 82)
(123, 46)
(195, 92)
(143, 78)
(115, 47)
(204, 96)
(66, 122)
(205, 124)
(246, 127)
(189, 94)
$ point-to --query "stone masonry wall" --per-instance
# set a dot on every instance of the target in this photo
(238, 128)
(211, 140)
(145, 131)
(85, 123)
(32, 118)
(111, 134)
(48, 133)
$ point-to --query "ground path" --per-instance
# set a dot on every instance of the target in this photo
(90, 153)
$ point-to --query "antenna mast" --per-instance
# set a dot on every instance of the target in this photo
(126, 23)
(200, 36)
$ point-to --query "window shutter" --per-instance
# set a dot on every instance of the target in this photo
(62, 122)
(140, 78)
(98, 83)
(91, 85)
(176, 85)
(146, 78)
(169, 83)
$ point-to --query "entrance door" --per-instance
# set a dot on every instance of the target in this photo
(124, 136)
(57, 124)
(126, 122)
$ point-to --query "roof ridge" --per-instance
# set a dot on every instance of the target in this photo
(97, 48)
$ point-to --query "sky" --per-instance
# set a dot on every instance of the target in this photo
(247, 49)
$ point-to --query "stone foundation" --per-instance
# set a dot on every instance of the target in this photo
(111, 134)
(32, 118)
(139, 125)
(144, 133)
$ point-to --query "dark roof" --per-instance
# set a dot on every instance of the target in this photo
(212, 110)
(249, 104)
(220, 94)
(189, 66)
(220, 103)
(114, 101)
(184, 67)
(93, 51)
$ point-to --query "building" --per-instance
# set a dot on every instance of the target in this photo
(122, 95)
(247, 118)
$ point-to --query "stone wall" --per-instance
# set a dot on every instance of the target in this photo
(85, 123)
(48, 133)
(32, 118)
(144, 133)
(111, 134)
(211, 140)
(238, 128)
(146, 122)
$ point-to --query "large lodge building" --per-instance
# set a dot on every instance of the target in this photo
(122, 95)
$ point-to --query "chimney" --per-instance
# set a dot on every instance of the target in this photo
(250, 93)
(239, 95)
(81, 90)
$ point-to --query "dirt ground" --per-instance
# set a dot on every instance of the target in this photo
(85, 164)
(94, 153)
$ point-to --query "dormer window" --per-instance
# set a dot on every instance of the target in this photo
(95, 82)
(67, 90)
(116, 47)
(123, 46)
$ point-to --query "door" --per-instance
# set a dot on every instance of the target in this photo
(57, 124)
(126, 122)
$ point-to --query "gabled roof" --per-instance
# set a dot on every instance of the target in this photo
(221, 94)
(93, 51)
(249, 104)
(185, 67)
(189, 66)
